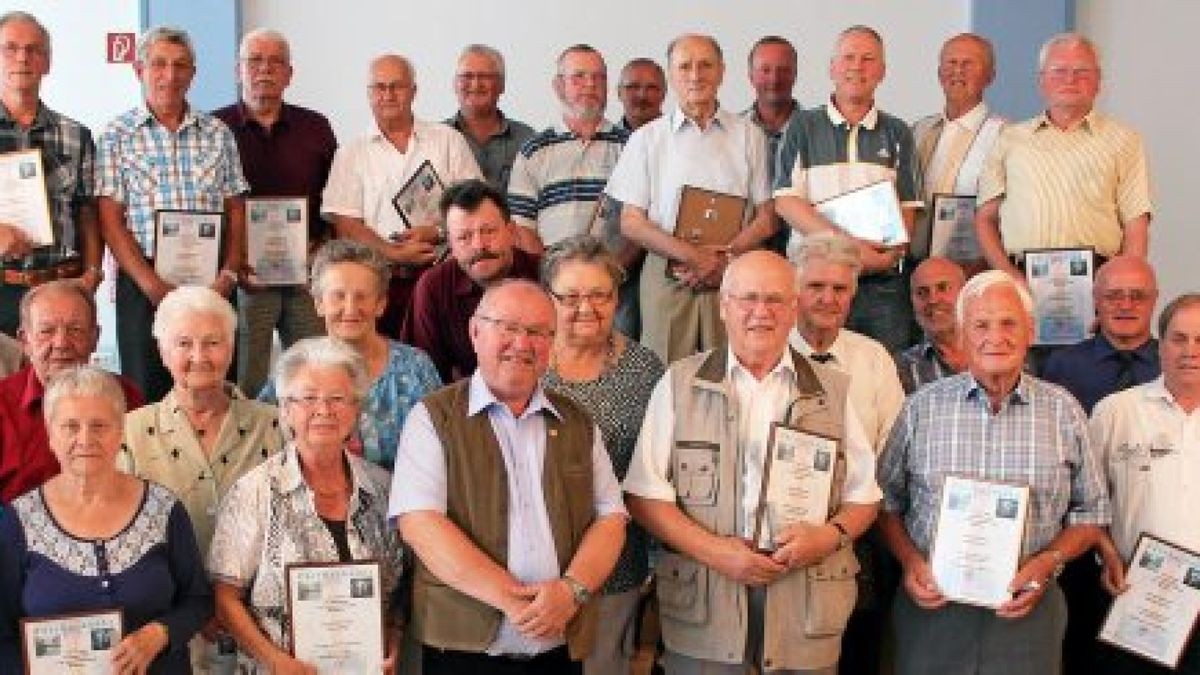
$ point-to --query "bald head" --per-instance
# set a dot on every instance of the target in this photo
(935, 286)
(758, 306)
(393, 62)
(1125, 292)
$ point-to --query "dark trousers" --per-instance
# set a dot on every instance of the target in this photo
(140, 361)
(882, 309)
(1087, 604)
(10, 304)
(449, 662)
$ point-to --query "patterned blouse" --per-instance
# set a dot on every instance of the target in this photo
(617, 403)
(268, 520)
(408, 376)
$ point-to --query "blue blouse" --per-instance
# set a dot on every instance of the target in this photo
(408, 376)
(151, 570)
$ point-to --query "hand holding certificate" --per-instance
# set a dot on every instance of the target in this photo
(71, 643)
(708, 219)
(417, 201)
(798, 473)
(977, 541)
(871, 213)
(23, 201)
(336, 614)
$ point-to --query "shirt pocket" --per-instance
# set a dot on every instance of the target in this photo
(139, 174)
(682, 588)
(696, 479)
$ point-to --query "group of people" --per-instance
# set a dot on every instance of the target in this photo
(574, 400)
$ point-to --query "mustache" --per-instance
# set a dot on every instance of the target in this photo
(485, 254)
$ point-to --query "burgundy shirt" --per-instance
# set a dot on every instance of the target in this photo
(290, 159)
(443, 301)
(26, 460)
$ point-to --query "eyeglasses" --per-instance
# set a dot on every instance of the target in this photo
(1137, 296)
(481, 77)
(12, 49)
(511, 329)
(593, 298)
(333, 401)
(748, 301)
(265, 62)
(1065, 73)
(381, 88)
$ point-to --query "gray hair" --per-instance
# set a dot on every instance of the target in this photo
(979, 284)
(337, 251)
(1069, 39)
(581, 248)
(60, 286)
(712, 41)
(578, 48)
(1174, 307)
(168, 34)
(17, 16)
(859, 29)
(647, 62)
(489, 52)
(321, 352)
(489, 296)
(772, 40)
(178, 306)
(829, 247)
(989, 51)
(268, 34)
(83, 380)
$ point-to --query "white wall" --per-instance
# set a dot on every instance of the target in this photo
(1149, 82)
(332, 45)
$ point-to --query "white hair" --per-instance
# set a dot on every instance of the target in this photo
(268, 34)
(829, 247)
(83, 380)
(1066, 40)
(321, 352)
(168, 34)
(178, 306)
(979, 284)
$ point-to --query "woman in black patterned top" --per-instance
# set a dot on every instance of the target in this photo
(611, 376)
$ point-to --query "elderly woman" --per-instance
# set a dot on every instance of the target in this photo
(349, 286)
(312, 502)
(93, 538)
(612, 377)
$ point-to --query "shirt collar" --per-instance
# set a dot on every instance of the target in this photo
(1088, 123)
(1019, 394)
(42, 117)
(145, 117)
(1156, 390)
(1104, 349)
(836, 347)
(480, 398)
(784, 366)
(32, 392)
(243, 118)
(679, 120)
(291, 479)
(972, 120)
(457, 122)
(560, 128)
(837, 118)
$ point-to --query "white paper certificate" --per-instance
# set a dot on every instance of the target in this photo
(187, 246)
(797, 479)
(23, 201)
(337, 616)
(72, 643)
(277, 240)
(977, 543)
(871, 213)
(952, 228)
(1155, 617)
(1060, 281)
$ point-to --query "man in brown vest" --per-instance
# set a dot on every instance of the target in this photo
(734, 597)
(506, 494)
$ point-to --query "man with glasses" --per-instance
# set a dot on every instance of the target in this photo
(732, 604)
(369, 173)
(507, 496)
(68, 157)
(286, 151)
(494, 138)
(1070, 177)
(641, 90)
(483, 251)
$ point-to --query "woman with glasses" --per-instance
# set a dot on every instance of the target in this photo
(311, 502)
(349, 286)
(611, 376)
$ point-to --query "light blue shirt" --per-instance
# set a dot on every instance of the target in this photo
(419, 484)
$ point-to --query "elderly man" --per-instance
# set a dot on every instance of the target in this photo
(702, 146)
(1035, 434)
(58, 330)
(483, 251)
(851, 129)
(506, 494)
(935, 286)
(1102, 199)
(369, 173)
(286, 151)
(952, 144)
(1148, 436)
(641, 90)
(68, 158)
(729, 603)
(772, 67)
(163, 154)
(494, 138)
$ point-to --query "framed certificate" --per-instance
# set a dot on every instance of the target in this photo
(71, 643)
(277, 240)
(417, 201)
(798, 473)
(336, 614)
(23, 200)
(1156, 617)
(952, 228)
(977, 539)
(187, 246)
(871, 212)
(1060, 280)
(706, 218)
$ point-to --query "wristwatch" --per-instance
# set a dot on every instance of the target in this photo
(843, 535)
(578, 590)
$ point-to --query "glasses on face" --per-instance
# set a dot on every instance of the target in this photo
(573, 299)
(13, 50)
(466, 77)
(384, 88)
(314, 401)
(1137, 296)
(512, 329)
(1065, 73)
(748, 301)
(265, 62)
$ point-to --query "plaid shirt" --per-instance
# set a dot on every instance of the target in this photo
(1038, 438)
(146, 167)
(68, 159)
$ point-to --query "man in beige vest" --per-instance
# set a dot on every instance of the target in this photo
(505, 492)
(735, 596)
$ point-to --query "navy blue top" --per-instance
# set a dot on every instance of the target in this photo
(1089, 369)
(151, 570)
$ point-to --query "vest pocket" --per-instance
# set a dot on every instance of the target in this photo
(682, 588)
(696, 473)
(831, 592)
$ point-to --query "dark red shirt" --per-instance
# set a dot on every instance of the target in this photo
(25, 457)
(443, 301)
(290, 159)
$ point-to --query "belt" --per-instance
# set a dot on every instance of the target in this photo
(30, 276)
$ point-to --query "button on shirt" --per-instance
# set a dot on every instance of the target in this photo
(1151, 451)
(419, 484)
